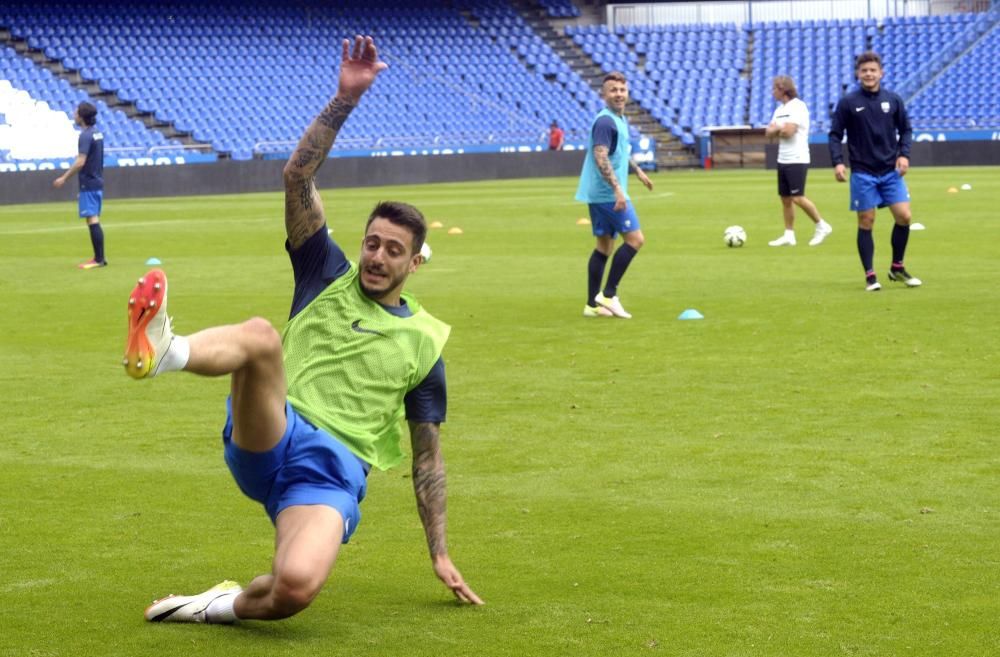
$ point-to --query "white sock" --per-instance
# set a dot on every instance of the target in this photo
(790, 234)
(177, 355)
(822, 224)
(221, 609)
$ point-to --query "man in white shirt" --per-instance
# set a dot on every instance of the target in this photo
(790, 124)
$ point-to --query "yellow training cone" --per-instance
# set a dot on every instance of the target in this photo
(583, 221)
(953, 190)
(437, 224)
(455, 231)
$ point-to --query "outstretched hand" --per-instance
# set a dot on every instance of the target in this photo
(358, 69)
(448, 573)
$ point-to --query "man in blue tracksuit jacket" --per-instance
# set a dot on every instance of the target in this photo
(878, 137)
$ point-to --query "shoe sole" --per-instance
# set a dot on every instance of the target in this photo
(610, 309)
(144, 303)
(614, 314)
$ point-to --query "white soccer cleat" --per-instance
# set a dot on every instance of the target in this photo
(784, 240)
(189, 608)
(612, 304)
(822, 230)
(149, 332)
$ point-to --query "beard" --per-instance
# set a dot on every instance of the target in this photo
(377, 294)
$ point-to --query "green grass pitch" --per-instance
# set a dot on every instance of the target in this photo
(809, 470)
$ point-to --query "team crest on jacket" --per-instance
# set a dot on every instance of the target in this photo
(885, 107)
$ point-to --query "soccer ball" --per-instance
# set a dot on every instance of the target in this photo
(735, 236)
(425, 252)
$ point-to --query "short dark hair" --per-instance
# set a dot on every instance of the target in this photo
(87, 112)
(867, 56)
(617, 76)
(401, 214)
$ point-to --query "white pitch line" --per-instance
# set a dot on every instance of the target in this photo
(510, 199)
(430, 204)
(137, 224)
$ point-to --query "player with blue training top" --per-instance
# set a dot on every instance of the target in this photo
(604, 188)
(89, 163)
(314, 408)
(878, 139)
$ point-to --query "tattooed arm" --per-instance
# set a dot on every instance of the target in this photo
(640, 174)
(303, 207)
(608, 173)
(430, 490)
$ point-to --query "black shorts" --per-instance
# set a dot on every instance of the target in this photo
(792, 179)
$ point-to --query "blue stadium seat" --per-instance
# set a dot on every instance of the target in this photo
(204, 69)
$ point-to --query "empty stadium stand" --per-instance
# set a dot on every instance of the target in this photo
(241, 79)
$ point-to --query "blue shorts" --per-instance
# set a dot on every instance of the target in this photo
(90, 202)
(869, 191)
(307, 466)
(605, 221)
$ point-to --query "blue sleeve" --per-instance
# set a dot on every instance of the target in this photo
(605, 133)
(903, 128)
(837, 134)
(83, 147)
(428, 402)
(315, 264)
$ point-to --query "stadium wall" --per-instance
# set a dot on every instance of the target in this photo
(922, 154)
(240, 177)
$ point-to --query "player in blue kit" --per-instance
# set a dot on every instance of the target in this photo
(604, 188)
(314, 408)
(878, 138)
(89, 164)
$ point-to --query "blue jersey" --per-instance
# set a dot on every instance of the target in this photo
(609, 130)
(318, 263)
(878, 131)
(91, 145)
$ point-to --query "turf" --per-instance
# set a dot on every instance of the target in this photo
(809, 470)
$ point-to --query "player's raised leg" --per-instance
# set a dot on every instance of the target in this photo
(249, 351)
